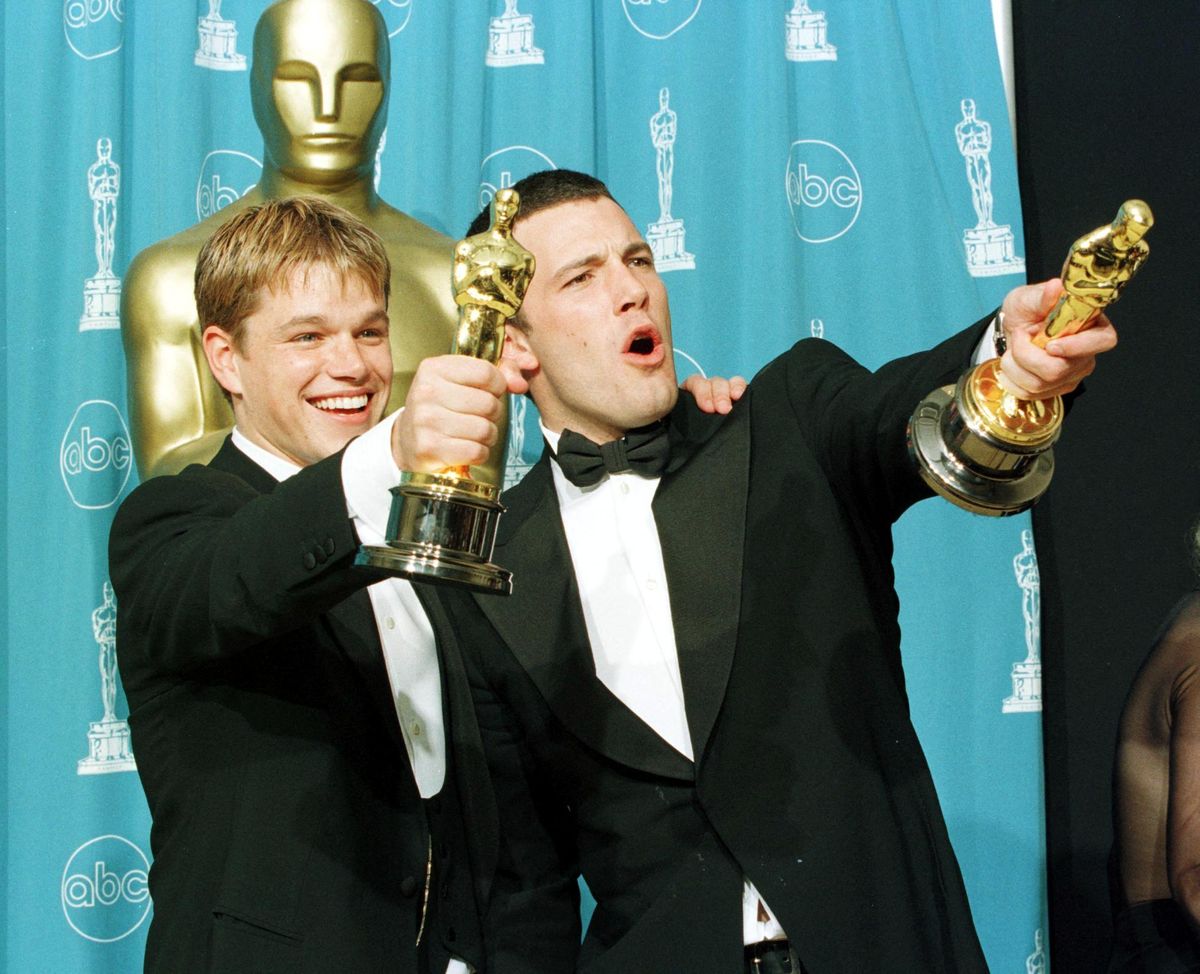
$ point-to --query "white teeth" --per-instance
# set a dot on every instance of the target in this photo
(341, 402)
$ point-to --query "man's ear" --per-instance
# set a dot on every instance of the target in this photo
(517, 351)
(222, 358)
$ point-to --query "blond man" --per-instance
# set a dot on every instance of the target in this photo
(293, 725)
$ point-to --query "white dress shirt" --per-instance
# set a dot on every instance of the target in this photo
(618, 564)
(409, 649)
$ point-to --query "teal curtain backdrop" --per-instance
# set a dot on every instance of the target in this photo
(816, 172)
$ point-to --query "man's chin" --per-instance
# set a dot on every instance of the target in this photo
(658, 407)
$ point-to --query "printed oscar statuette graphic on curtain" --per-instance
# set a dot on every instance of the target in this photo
(1027, 674)
(102, 291)
(989, 245)
(665, 235)
(807, 34)
(217, 49)
(510, 39)
(109, 748)
(799, 168)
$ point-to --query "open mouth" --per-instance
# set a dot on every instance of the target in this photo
(345, 406)
(644, 346)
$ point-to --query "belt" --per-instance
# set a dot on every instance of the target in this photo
(772, 957)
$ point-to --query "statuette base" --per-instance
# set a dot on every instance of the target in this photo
(973, 471)
(442, 529)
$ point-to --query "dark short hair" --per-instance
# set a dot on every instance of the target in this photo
(545, 189)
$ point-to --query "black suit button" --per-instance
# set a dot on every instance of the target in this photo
(408, 886)
(310, 562)
(451, 936)
(328, 546)
(319, 554)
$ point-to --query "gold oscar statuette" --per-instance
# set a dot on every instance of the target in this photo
(442, 526)
(978, 445)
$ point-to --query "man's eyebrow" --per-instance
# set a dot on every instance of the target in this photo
(378, 316)
(634, 249)
(298, 321)
(589, 260)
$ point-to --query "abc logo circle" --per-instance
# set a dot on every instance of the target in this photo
(660, 20)
(95, 456)
(225, 176)
(94, 28)
(105, 890)
(502, 168)
(396, 14)
(824, 191)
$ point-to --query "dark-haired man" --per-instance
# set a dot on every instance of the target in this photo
(694, 695)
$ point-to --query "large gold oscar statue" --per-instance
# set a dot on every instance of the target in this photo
(319, 89)
(983, 448)
(442, 526)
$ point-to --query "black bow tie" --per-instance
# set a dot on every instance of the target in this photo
(643, 451)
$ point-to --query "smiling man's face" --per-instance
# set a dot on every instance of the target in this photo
(313, 367)
(595, 343)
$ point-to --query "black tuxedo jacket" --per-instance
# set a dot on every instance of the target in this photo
(775, 523)
(288, 833)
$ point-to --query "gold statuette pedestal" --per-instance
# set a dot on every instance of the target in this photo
(978, 445)
(442, 528)
(442, 525)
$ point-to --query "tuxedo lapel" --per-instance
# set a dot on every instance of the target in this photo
(700, 512)
(542, 623)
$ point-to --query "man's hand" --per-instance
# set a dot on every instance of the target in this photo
(451, 416)
(1029, 372)
(714, 395)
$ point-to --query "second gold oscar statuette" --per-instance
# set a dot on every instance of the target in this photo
(983, 448)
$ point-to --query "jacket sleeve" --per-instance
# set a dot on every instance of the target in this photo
(856, 421)
(205, 567)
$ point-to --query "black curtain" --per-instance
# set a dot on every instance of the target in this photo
(1108, 108)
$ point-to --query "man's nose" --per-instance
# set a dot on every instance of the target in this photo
(344, 358)
(629, 291)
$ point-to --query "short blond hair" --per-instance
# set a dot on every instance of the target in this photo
(265, 244)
